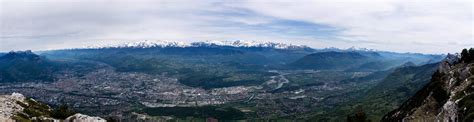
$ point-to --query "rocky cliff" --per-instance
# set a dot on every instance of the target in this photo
(448, 97)
(16, 107)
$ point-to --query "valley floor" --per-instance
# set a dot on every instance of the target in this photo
(105, 92)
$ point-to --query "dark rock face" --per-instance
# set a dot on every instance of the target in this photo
(24, 55)
(448, 97)
(24, 66)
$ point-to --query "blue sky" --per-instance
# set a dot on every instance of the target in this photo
(423, 26)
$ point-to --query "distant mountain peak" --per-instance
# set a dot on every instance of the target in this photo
(452, 58)
(142, 44)
(243, 43)
(353, 48)
(21, 54)
(26, 52)
(165, 43)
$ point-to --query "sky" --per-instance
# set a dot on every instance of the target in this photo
(420, 26)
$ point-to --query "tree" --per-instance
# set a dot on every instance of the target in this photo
(358, 116)
(62, 112)
(465, 56)
(471, 54)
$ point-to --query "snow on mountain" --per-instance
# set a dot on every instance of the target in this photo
(241, 43)
(211, 43)
(141, 44)
(148, 44)
(164, 43)
(353, 48)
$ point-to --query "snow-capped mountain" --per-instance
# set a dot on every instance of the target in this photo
(165, 43)
(353, 48)
(215, 43)
(241, 43)
(141, 44)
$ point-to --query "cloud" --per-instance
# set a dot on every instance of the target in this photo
(429, 23)
(421, 26)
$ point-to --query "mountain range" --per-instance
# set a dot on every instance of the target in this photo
(447, 97)
(161, 79)
(164, 43)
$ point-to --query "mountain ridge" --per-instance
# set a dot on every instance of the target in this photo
(448, 96)
(21, 66)
(165, 43)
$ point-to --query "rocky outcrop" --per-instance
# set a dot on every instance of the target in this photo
(16, 107)
(9, 106)
(84, 118)
(448, 97)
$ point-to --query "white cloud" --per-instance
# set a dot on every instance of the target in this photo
(434, 26)
(401, 25)
(63, 24)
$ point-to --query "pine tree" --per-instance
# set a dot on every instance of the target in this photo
(62, 112)
(471, 55)
(465, 56)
